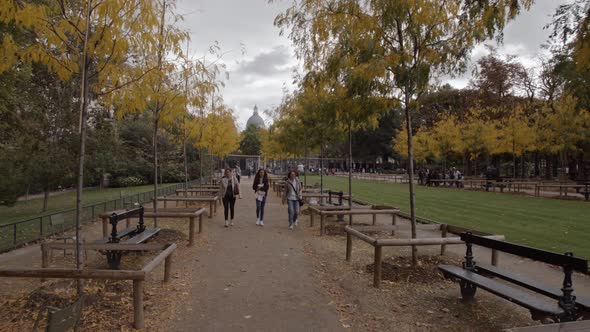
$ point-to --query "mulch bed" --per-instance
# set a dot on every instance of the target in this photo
(400, 269)
(109, 303)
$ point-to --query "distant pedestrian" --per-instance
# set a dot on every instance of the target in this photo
(260, 187)
(229, 189)
(292, 195)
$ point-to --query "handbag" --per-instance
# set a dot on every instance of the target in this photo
(301, 201)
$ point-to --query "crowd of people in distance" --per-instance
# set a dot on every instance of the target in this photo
(453, 175)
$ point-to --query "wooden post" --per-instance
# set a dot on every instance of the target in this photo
(200, 223)
(105, 226)
(393, 222)
(374, 219)
(321, 224)
(350, 219)
(311, 217)
(348, 246)
(215, 207)
(138, 322)
(377, 267)
(167, 268)
(495, 257)
(44, 259)
(191, 232)
(443, 230)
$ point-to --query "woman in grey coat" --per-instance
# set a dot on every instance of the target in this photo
(292, 195)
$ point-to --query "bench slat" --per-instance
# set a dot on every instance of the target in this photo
(120, 235)
(528, 283)
(143, 236)
(576, 263)
(510, 293)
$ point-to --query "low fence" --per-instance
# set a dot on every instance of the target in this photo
(18, 233)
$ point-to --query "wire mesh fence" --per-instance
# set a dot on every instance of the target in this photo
(17, 233)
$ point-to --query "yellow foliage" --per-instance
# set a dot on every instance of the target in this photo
(562, 125)
(420, 142)
(516, 134)
(220, 134)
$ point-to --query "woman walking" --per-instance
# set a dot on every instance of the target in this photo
(229, 189)
(260, 187)
(292, 195)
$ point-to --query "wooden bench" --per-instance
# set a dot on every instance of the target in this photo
(212, 200)
(58, 220)
(361, 232)
(546, 304)
(355, 212)
(198, 191)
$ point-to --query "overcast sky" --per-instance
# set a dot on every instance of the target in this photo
(259, 75)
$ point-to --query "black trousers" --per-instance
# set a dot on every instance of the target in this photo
(228, 204)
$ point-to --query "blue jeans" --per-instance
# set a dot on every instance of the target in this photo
(260, 208)
(293, 208)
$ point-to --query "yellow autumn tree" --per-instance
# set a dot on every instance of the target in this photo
(221, 135)
(420, 142)
(443, 138)
(161, 91)
(89, 40)
(516, 135)
(561, 126)
(478, 135)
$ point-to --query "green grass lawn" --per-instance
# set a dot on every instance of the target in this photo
(551, 224)
(22, 210)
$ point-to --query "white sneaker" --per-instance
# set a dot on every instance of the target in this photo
(231, 223)
(226, 223)
(261, 223)
(257, 222)
(296, 222)
(291, 227)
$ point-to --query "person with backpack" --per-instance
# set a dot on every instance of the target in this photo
(260, 187)
(292, 195)
(229, 189)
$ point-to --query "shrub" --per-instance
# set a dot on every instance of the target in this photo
(129, 181)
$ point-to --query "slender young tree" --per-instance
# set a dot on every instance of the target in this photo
(401, 43)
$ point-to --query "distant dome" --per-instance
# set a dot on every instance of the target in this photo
(255, 120)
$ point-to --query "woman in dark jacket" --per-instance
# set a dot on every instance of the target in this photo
(260, 187)
(229, 188)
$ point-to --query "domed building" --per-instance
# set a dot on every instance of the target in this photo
(255, 120)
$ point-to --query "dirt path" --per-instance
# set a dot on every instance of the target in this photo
(256, 278)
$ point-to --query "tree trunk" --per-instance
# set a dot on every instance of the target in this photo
(411, 178)
(185, 168)
(522, 166)
(513, 160)
(155, 151)
(321, 167)
(82, 131)
(537, 171)
(27, 194)
(350, 165)
(201, 165)
(305, 163)
(45, 198)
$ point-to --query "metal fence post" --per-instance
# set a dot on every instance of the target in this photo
(14, 235)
